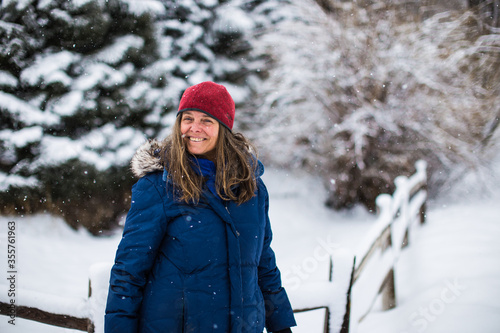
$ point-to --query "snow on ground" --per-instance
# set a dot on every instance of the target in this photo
(446, 280)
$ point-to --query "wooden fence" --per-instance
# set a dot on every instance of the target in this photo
(346, 297)
(49, 315)
(372, 268)
(81, 314)
(376, 262)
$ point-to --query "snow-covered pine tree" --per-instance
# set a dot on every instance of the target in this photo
(67, 129)
(371, 87)
(84, 82)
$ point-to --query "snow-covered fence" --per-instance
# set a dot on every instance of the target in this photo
(356, 281)
(81, 314)
(98, 294)
(328, 296)
(49, 309)
(376, 259)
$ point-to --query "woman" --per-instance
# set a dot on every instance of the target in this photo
(195, 254)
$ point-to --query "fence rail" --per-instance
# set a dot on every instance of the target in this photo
(45, 317)
(359, 279)
(57, 311)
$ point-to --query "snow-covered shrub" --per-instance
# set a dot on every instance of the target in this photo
(359, 92)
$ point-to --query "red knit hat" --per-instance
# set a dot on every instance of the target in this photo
(210, 98)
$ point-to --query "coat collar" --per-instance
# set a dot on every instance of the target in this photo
(147, 159)
(203, 167)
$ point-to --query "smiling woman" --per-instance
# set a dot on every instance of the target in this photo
(196, 249)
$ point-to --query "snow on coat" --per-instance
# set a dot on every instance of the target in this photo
(198, 268)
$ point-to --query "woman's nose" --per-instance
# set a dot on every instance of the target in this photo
(196, 126)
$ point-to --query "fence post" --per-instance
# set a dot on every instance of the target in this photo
(388, 291)
(90, 323)
(388, 288)
(347, 315)
(98, 294)
(399, 226)
(421, 167)
(383, 203)
(423, 213)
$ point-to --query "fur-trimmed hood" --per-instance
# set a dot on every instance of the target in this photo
(147, 158)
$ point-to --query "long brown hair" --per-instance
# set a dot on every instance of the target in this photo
(235, 160)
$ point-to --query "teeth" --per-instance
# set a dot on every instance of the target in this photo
(196, 139)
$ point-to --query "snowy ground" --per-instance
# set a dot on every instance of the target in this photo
(446, 280)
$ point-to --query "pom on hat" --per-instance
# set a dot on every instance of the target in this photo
(210, 98)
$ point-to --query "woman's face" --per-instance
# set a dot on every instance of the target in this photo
(200, 132)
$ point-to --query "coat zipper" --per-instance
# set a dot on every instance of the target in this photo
(227, 209)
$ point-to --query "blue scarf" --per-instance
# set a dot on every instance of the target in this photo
(202, 167)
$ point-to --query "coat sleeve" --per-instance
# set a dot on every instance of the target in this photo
(279, 313)
(143, 233)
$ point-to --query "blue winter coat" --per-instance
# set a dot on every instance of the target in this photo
(198, 268)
